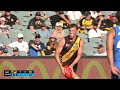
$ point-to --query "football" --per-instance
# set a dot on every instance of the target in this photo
(68, 73)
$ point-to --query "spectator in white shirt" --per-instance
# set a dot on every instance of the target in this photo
(20, 44)
(74, 15)
(95, 32)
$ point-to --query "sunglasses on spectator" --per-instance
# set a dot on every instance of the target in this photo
(15, 51)
(37, 37)
(20, 38)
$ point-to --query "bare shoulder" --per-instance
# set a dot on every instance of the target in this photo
(81, 42)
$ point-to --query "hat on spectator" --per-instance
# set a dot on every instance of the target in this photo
(59, 24)
(37, 36)
(100, 14)
(5, 50)
(15, 49)
(38, 14)
(20, 35)
(43, 25)
(2, 19)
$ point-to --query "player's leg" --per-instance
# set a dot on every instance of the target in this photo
(74, 75)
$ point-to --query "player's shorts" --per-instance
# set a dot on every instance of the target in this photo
(113, 76)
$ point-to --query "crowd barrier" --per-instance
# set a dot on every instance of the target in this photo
(47, 67)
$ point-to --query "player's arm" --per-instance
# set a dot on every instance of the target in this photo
(58, 51)
(110, 40)
(79, 54)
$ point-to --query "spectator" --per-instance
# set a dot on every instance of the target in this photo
(44, 33)
(86, 23)
(4, 51)
(58, 30)
(11, 19)
(35, 23)
(95, 32)
(59, 17)
(101, 51)
(104, 24)
(114, 19)
(3, 27)
(74, 15)
(51, 45)
(20, 43)
(15, 51)
(110, 16)
(36, 46)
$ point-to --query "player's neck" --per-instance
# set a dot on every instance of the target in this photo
(74, 38)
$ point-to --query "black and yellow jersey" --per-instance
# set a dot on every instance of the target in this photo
(85, 22)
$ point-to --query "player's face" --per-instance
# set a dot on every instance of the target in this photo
(72, 32)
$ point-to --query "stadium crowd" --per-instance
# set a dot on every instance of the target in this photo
(36, 33)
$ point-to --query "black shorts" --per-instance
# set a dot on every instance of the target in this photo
(113, 76)
(69, 62)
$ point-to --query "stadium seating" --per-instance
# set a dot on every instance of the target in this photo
(24, 17)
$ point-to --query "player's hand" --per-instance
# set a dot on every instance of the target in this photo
(63, 70)
(115, 70)
(71, 68)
